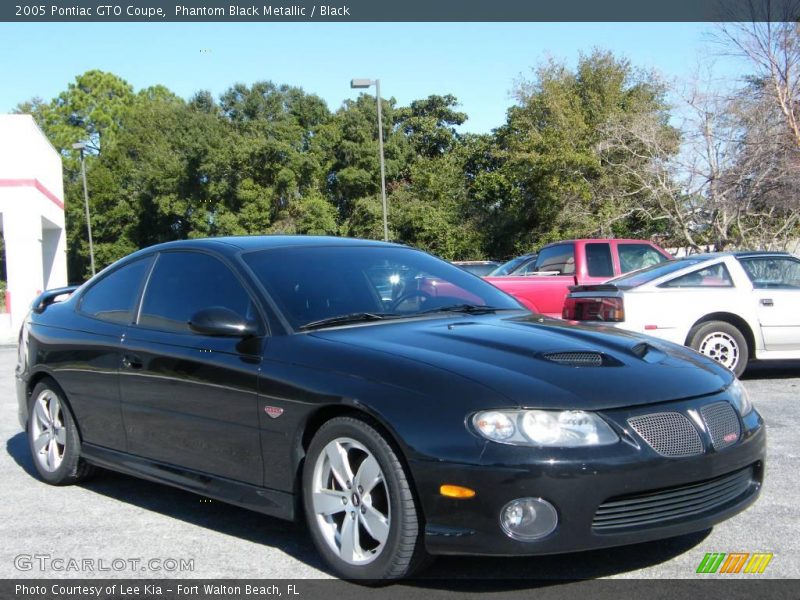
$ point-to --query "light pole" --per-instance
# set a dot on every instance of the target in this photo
(80, 146)
(361, 84)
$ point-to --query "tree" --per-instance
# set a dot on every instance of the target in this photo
(90, 110)
(350, 141)
(430, 124)
(559, 183)
(734, 183)
(772, 47)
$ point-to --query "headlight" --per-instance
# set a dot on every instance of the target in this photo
(566, 429)
(737, 395)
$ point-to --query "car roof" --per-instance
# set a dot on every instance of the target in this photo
(598, 240)
(234, 244)
(750, 253)
(735, 253)
(474, 262)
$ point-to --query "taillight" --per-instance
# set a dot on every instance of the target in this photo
(610, 309)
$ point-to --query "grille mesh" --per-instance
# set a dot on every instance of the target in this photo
(686, 501)
(668, 433)
(721, 422)
(576, 359)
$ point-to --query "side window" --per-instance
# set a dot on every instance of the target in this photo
(633, 257)
(598, 260)
(558, 259)
(772, 272)
(715, 276)
(526, 268)
(114, 297)
(183, 283)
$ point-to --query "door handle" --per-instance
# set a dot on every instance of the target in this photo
(767, 302)
(132, 362)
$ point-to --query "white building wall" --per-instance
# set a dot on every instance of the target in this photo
(32, 207)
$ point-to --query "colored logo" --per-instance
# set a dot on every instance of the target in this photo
(734, 562)
(273, 411)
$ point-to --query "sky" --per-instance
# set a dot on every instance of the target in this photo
(477, 62)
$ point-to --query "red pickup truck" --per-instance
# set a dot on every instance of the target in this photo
(545, 283)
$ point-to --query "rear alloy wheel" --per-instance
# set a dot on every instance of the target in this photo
(723, 342)
(53, 437)
(358, 503)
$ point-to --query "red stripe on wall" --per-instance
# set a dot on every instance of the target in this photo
(35, 183)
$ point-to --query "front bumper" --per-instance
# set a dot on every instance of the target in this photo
(577, 482)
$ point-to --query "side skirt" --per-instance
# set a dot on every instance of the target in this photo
(269, 502)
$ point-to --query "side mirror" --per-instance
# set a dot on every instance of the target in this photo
(221, 321)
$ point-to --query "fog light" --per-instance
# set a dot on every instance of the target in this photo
(528, 519)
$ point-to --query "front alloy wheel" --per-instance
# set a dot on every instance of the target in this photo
(351, 502)
(358, 502)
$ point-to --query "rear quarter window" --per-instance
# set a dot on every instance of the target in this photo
(714, 276)
(113, 298)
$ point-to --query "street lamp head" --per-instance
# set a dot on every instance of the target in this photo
(361, 83)
(79, 145)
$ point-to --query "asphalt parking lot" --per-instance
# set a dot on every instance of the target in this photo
(117, 517)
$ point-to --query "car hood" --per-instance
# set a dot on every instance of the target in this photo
(518, 356)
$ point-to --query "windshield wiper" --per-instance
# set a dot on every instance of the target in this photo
(472, 309)
(358, 317)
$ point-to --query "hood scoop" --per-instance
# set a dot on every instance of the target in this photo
(648, 353)
(578, 358)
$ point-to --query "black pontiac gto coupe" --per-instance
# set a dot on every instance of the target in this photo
(405, 407)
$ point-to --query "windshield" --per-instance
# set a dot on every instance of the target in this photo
(653, 272)
(512, 265)
(312, 284)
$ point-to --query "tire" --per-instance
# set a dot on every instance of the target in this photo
(723, 342)
(366, 533)
(53, 437)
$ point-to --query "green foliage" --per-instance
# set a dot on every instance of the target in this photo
(270, 158)
(314, 215)
(563, 186)
(90, 110)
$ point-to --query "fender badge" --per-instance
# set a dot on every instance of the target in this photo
(273, 411)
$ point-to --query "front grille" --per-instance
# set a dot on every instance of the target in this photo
(668, 433)
(657, 507)
(576, 359)
(722, 424)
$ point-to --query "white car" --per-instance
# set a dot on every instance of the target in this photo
(732, 306)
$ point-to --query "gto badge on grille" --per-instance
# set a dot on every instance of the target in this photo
(273, 411)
